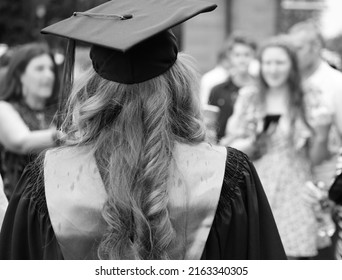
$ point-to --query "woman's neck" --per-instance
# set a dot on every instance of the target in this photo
(278, 91)
(36, 104)
(276, 100)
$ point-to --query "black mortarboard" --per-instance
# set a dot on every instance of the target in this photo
(131, 41)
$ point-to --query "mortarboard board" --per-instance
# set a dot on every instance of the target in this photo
(131, 41)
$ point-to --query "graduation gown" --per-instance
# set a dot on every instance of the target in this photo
(217, 206)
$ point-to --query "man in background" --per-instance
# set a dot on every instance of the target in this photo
(215, 76)
(321, 81)
(240, 52)
(322, 84)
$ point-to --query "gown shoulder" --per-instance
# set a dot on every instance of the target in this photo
(243, 226)
(27, 232)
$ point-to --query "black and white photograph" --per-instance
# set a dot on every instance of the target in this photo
(167, 130)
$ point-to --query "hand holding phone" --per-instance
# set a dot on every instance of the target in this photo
(270, 120)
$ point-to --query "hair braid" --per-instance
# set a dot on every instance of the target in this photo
(155, 163)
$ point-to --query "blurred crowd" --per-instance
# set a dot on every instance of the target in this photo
(280, 102)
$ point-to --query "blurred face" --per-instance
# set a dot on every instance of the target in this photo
(38, 78)
(275, 66)
(240, 57)
(306, 49)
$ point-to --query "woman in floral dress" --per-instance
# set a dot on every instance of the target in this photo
(278, 129)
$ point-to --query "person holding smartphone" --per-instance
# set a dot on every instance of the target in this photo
(280, 130)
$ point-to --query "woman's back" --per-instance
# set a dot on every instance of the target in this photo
(75, 190)
(216, 206)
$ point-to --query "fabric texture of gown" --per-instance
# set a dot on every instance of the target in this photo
(241, 225)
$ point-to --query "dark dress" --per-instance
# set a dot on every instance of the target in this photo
(223, 96)
(13, 164)
(243, 226)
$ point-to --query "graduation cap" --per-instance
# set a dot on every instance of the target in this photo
(131, 39)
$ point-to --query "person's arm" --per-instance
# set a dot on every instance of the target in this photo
(209, 80)
(26, 232)
(318, 143)
(17, 137)
(241, 126)
(318, 146)
(244, 226)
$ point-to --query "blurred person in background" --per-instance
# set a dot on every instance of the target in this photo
(28, 102)
(271, 124)
(4, 60)
(323, 83)
(240, 51)
(214, 76)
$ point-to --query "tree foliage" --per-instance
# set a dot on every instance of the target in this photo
(19, 21)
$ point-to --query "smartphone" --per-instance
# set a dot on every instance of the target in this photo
(270, 119)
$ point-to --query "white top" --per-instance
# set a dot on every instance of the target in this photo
(210, 79)
(328, 81)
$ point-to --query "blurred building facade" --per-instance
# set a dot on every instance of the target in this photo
(203, 36)
(21, 21)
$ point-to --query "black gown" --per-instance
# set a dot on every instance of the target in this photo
(243, 225)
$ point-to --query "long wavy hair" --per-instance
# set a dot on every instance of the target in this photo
(294, 81)
(11, 86)
(132, 130)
